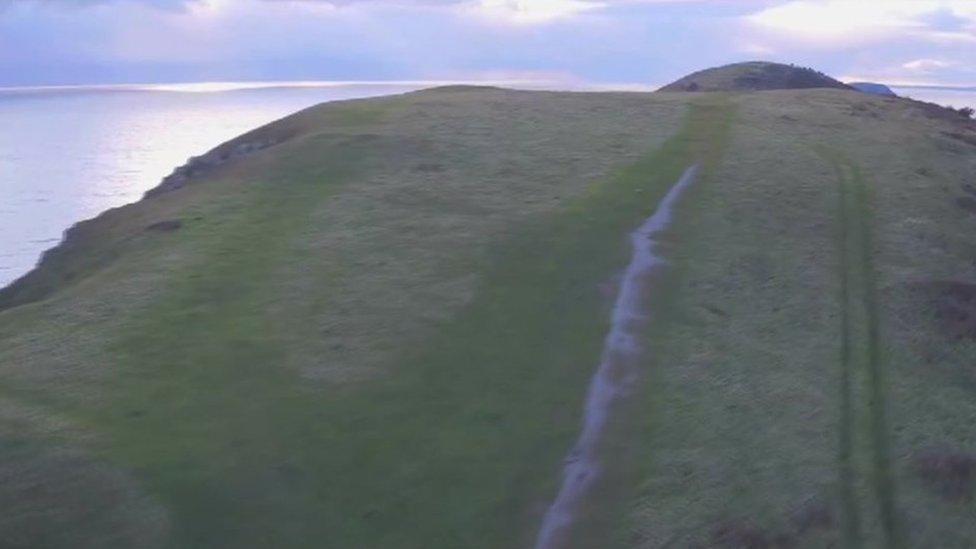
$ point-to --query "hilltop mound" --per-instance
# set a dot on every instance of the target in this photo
(754, 75)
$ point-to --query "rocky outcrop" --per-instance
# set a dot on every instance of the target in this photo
(199, 165)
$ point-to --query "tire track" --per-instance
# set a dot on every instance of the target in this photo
(861, 354)
(884, 486)
(850, 516)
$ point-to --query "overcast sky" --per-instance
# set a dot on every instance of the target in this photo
(597, 41)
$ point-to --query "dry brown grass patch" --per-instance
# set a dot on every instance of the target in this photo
(951, 473)
(954, 304)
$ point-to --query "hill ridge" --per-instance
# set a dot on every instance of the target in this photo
(753, 76)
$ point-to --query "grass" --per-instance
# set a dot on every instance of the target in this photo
(222, 408)
(747, 409)
(379, 332)
(527, 342)
(851, 534)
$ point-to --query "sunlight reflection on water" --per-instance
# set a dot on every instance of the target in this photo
(952, 98)
(69, 154)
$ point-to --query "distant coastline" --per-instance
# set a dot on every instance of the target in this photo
(942, 95)
(225, 86)
(933, 87)
(210, 87)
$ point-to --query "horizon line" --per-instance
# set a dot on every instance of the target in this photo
(217, 86)
(214, 86)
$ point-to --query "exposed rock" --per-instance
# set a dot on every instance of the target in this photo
(199, 165)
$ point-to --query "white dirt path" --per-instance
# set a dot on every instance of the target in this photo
(616, 374)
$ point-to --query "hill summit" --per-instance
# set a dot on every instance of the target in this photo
(754, 75)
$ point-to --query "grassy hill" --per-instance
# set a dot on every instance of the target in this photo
(753, 76)
(372, 324)
(872, 87)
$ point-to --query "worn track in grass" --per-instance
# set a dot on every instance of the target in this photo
(617, 372)
(862, 366)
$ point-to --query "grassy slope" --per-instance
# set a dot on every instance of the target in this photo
(748, 404)
(379, 332)
(280, 371)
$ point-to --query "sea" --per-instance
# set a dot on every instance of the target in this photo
(69, 153)
(952, 97)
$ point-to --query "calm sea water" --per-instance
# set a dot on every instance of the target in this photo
(952, 98)
(67, 155)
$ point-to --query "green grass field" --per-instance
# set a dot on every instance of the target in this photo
(379, 331)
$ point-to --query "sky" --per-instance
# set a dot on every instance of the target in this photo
(642, 42)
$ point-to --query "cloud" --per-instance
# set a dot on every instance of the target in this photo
(530, 11)
(161, 4)
(516, 6)
(510, 12)
(836, 24)
(926, 65)
(118, 41)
